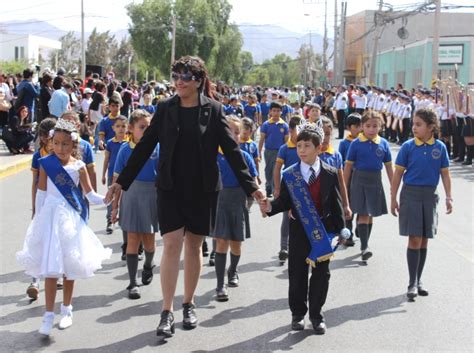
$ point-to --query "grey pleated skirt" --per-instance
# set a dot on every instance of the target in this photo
(367, 194)
(418, 215)
(230, 216)
(138, 208)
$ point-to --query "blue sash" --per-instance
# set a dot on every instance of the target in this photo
(66, 186)
(320, 240)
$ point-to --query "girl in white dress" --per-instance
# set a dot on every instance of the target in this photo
(58, 241)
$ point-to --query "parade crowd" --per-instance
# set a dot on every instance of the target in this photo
(184, 159)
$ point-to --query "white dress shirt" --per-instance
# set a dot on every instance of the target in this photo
(306, 172)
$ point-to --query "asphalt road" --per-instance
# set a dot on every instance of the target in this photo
(366, 310)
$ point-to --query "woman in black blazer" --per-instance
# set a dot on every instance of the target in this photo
(189, 127)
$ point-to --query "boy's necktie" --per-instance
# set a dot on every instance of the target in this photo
(312, 177)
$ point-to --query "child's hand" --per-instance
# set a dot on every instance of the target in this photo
(394, 208)
(449, 205)
(265, 206)
(103, 180)
(259, 181)
(276, 193)
(101, 145)
(114, 215)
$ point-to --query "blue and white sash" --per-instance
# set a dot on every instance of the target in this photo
(320, 240)
(66, 186)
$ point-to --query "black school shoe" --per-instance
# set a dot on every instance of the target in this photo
(190, 319)
(147, 275)
(108, 228)
(297, 323)
(422, 292)
(166, 325)
(212, 258)
(233, 279)
(350, 241)
(133, 292)
(319, 326)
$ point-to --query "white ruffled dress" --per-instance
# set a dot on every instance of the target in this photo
(58, 242)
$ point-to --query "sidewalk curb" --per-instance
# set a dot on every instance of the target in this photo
(16, 167)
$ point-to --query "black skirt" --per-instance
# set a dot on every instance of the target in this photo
(193, 212)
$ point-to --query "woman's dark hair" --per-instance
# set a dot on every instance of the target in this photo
(46, 78)
(18, 111)
(430, 117)
(99, 86)
(195, 65)
(58, 82)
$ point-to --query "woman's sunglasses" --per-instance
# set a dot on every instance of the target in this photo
(186, 77)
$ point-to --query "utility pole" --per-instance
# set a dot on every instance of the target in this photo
(173, 40)
(378, 27)
(83, 44)
(325, 41)
(434, 65)
(342, 36)
(335, 74)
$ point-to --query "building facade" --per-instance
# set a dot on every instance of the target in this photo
(404, 47)
(411, 64)
(25, 47)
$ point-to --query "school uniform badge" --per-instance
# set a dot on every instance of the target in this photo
(282, 130)
(436, 153)
(379, 152)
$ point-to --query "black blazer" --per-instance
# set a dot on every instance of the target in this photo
(214, 132)
(332, 213)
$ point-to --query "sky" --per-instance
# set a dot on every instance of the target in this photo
(300, 16)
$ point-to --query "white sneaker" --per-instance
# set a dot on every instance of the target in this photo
(48, 322)
(66, 317)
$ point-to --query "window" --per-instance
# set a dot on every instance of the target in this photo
(17, 53)
(384, 80)
(22, 52)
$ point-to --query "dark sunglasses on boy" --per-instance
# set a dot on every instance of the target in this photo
(185, 77)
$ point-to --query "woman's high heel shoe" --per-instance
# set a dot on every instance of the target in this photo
(166, 326)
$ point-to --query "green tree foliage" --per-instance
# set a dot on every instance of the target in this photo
(101, 48)
(120, 60)
(201, 27)
(225, 64)
(69, 55)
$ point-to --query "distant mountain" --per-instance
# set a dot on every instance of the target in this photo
(266, 41)
(45, 29)
(263, 41)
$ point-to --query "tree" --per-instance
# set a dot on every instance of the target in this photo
(200, 24)
(225, 63)
(69, 55)
(309, 64)
(101, 48)
(124, 55)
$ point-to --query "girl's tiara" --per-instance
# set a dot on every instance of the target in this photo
(65, 125)
(316, 128)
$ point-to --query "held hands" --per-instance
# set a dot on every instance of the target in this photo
(265, 207)
(103, 180)
(112, 193)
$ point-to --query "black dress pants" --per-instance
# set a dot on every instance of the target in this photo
(341, 121)
(299, 291)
